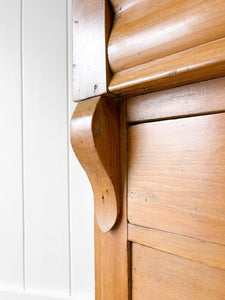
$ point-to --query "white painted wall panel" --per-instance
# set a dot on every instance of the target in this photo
(45, 146)
(11, 224)
(9, 295)
(58, 202)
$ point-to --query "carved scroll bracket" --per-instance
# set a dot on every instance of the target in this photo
(95, 141)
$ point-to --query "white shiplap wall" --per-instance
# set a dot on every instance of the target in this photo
(46, 205)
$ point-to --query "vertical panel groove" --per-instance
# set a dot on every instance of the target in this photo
(22, 142)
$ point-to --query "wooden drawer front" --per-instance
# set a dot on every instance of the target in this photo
(157, 275)
(176, 176)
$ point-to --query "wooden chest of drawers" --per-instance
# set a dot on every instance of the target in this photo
(175, 199)
(150, 133)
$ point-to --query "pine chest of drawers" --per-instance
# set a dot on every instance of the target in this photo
(149, 129)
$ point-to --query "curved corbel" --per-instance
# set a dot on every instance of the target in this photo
(95, 141)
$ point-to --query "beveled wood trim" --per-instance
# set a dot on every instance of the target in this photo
(91, 26)
(194, 99)
(95, 140)
(147, 30)
(211, 254)
(200, 63)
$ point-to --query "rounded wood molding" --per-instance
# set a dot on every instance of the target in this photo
(95, 141)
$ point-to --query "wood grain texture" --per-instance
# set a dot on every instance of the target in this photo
(198, 98)
(91, 26)
(176, 176)
(111, 248)
(147, 30)
(130, 10)
(95, 140)
(157, 275)
(197, 250)
(196, 64)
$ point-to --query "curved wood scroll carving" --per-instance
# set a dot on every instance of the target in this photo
(95, 141)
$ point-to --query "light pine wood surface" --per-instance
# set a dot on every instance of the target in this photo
(176, 176)
(147, 30)
(192, 65)
(211, 254)
(95, 140)
(194, 99)
(159, 186)
(158, 275)
(111, 249)
(91, 26)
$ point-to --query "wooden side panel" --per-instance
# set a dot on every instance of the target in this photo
(199, 98)
(11, 195)
(147, 30)
(205, 252)
(176, 174)
(91, 25)
(157, 275)
(45, 147)
(111, 249)
(196, 64)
